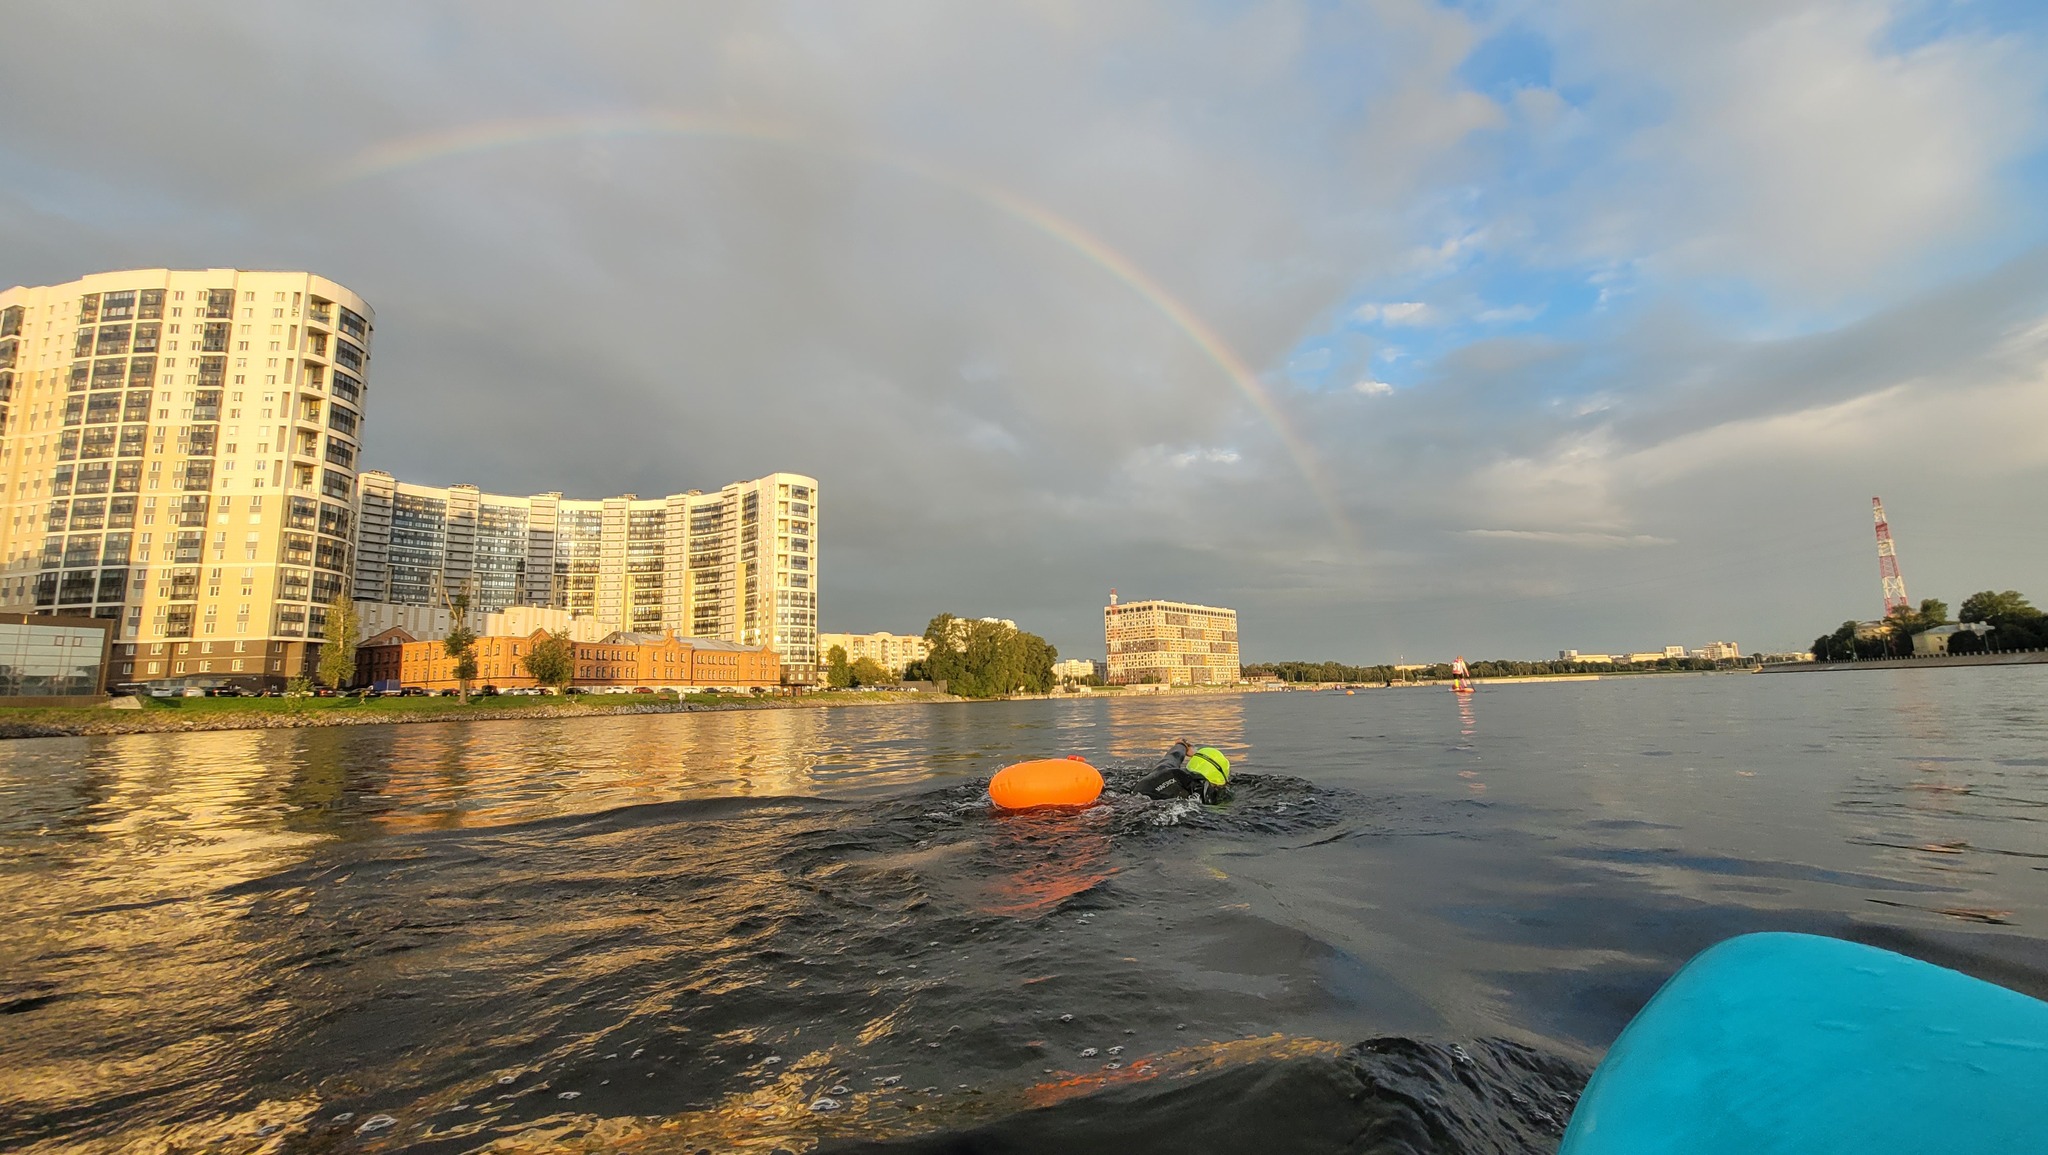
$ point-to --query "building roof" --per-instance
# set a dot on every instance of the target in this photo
(639, 638)
(722, 644)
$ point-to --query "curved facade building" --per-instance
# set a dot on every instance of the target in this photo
(740, 565)
(178, 452)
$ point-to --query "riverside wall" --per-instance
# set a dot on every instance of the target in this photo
(2007, 658)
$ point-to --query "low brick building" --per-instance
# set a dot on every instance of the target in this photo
(395, 658)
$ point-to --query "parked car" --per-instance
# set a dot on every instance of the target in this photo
(192, 692)
(574, 690)
(643, 689)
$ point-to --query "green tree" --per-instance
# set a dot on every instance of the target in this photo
(338, 653)
(1990, 607)
(1933, 611)
(869, 672)
(838, 674)
(979, 659)
(2016, 624)
(552, 661)
(460, 644)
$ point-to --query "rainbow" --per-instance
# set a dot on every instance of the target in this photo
(412, 151)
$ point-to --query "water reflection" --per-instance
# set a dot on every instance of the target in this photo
(1468, 730)
(1141, 726)
(210, 933)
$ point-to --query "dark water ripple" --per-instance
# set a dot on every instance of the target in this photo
(738, 933)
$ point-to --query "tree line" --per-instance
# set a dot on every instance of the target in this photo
(2014, 624)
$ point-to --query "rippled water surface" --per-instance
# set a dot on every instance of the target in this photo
(1414, 927)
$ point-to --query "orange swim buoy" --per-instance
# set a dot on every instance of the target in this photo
(1046, 782)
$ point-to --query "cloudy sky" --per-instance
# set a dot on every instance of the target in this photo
(1406, 329)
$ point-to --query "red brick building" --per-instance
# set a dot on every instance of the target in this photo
(395, 658)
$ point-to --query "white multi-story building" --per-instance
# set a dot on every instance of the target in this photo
(1079, 669)
(178, 453)
(893, 652)
(739, 565)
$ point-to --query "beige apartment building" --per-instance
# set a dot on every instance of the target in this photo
(893, 652)
(178, 453)
(739, 565)
(1170, 643)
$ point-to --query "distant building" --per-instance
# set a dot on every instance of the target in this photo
(1170, 643)
(1647, 656)
(1674, 651)
(740, 564)
(893, 652)
(1079, 669)
(395, 659)
(1930, 642)
(1721, 651)
(1576, 656)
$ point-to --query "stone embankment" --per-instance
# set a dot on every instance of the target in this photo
(2004, 658)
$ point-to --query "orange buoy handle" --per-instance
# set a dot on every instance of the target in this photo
(1065, 781)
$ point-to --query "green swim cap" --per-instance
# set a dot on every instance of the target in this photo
(1210, 763)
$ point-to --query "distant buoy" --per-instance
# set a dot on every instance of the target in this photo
(1046, 782)
(1348, 693)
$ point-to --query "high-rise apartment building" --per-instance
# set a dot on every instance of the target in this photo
(739, 565)
(1170, 643)
(178, 453)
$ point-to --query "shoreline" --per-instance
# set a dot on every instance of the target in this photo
(102, 720)
(1930, 662)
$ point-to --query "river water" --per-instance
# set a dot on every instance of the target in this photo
(1414, 926)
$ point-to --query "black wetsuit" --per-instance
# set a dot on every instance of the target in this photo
(1171, 778)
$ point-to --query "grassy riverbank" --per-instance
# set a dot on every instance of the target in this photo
(160, 715)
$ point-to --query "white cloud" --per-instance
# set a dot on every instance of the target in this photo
(1206, 456)
(1371, 388)
(1511, 314)
(1797, 146)
(1395, 313)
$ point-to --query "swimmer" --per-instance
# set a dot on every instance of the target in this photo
(1187, 772)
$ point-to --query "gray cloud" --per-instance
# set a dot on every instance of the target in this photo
(1006, 426)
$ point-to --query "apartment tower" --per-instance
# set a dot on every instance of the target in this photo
(739, 565)
(178, 453)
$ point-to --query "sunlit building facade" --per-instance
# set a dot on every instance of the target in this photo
(1170, 643)
(739, 565)
(893, 652)
(622, 659)
(178, 453)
